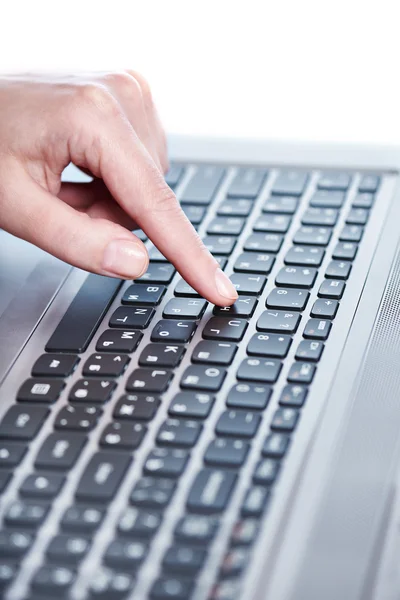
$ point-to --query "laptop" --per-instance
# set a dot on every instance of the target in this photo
(153, 446)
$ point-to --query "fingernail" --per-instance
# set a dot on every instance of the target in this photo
(124, 258)
(224, 285)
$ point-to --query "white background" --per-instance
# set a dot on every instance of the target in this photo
(326, 70)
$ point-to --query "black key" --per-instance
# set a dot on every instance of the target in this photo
(330, 180)
(338, 270)
(317, 329)
(152, 492)
(290, 183)
(161, 355)
(122, 436)
(25, 514)
(105, 365)
(248, 284)
(55, 365)
(223, 244)
(158, 273)
(149, 380)
(184, 289)
(301, 372)
(107, 584)
(174, 175)
(292, 299)
(53, 581)
(60, 451)
(173, 331)
(278, 321)
(266, 472)
(293, 395)
(197, 377)
(138, 523)
(226, 226)
(250, 262)
(313, 236)
(69, 549)
(243, 307)
(235, 208)
(309, 350)
(320, 216)
(102, 477)
(211, 491)
(247, 182)
(269, 344)
(326, 309)
(256, 369)
(14, 544)
(184, 308)
(351, 233)
(195, 405)
(82, 519)
(127, 554)
(222, 261)
(126, 317)
(285, 419)
(113, 340)
(249, 396)
(357, 216)
(42, 485)
(302, 277)
(22, 422)
(219, 328)
(179, 432)
(8, 571)
(345, 251)
(196, 529)
(171, 588)
(327, 199)
(84, 315)
(203, 185)
(11, 454)
(143, 294)
(263, 242)
(369, 183)
(304, 255)
(195, 214)
(217, 353)
(238, 423)
(273, 222)
(40, 390)
(363, 200)
(255, 502)
(5, 478)
(92, 390)
(281, 204)
(275, 445)
(331, 288)
(244, 532)
(136, 407)
(183, 559)
(226, 453)
(78, 418)
(166, 462)
(155, 255)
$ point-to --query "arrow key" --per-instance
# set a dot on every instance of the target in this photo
(106, 365)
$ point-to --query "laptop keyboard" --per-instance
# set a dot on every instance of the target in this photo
(123, 353)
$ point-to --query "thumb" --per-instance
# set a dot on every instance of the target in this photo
(96, 245)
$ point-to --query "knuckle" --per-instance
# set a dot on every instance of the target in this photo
(95, 97)
(143, 85)
(123, 81)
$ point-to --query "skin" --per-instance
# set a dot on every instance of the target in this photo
(107, 124)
